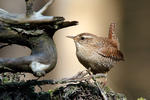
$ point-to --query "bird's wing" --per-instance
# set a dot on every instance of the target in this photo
(112, 53)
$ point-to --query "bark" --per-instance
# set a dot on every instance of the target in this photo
(71, 90)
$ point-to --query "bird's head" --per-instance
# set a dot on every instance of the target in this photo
(84, 39)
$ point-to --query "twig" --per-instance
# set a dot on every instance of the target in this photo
(4, 45)
(42, 10)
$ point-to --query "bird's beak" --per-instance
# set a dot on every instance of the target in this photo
(72, 37)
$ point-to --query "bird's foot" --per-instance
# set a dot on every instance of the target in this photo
(93, 77)
(102, 78)
(103, 82)
(80, 75)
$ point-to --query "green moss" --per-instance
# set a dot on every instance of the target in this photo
(5, 80)
(71, 91)
(112, 95)
(50, 92)
(141, 98)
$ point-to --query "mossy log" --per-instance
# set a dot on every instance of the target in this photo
(71, 91)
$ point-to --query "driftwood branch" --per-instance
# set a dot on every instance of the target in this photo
(35, 31)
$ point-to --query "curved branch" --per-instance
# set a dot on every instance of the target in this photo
(42, 59)
(43, 9)
(34, 31)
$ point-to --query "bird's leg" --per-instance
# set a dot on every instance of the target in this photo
(80, 75)
(97, 84)
(104, 81)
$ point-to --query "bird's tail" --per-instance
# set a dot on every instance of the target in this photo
(112, 34)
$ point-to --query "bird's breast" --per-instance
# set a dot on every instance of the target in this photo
(91, 59)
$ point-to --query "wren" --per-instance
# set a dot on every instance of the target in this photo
(99, 54)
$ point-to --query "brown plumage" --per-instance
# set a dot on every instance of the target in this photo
(99, 54)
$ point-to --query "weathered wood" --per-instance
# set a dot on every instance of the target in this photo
(34, 31)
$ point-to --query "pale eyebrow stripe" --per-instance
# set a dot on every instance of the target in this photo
(85, 36)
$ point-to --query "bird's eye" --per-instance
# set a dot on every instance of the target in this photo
(82, 38)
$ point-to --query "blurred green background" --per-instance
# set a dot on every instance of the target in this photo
(133, 28)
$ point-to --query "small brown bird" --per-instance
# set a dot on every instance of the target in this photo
(99, 54)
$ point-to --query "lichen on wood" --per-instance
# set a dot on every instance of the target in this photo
(75, 90)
